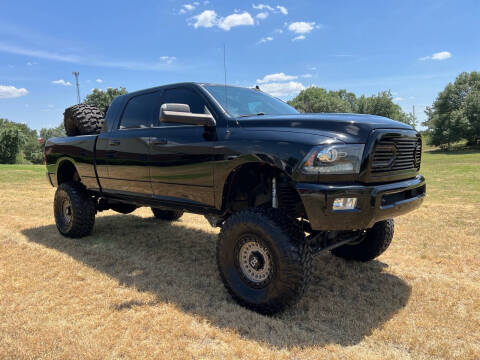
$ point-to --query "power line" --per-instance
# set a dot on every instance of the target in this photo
(76, 73)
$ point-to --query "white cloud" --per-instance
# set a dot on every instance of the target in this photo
(299, 37)
(442, 55)
(398, 98)
(262, 15)
(265, 39)
(99, 81)
(168, 59)
(235, 20)
(31, 63)
(188, 7)
(263, 7)
(8, 92)
(289, 88)
(62, 82)
(276, 77)
(306, 76)
(51, 106)
(282, 9)
(209, 18)
(301, 27)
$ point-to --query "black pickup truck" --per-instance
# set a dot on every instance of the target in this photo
(282, 185)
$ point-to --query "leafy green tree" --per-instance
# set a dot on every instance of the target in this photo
(314, 99)
(455, 113)
(102, 99)
(472, 113)
(11, 139)
(46, 134)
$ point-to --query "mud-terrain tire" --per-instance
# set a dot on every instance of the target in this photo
(264, 259)
(83, 119)
(74, 210)
(169, 215)
(376, 241)
(123, 208)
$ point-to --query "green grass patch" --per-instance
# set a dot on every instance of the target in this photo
(21, 173)
(452, 176)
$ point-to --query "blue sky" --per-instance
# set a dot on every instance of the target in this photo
(413, 48)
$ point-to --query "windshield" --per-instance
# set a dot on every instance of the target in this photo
(248, 102)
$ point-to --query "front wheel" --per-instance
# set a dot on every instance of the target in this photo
(263, 259)
(74, 210)
(376, 241)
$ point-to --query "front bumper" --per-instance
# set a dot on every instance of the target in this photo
(375, 203)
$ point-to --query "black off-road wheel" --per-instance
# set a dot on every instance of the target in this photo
(123, 208)
(74, 210)
(169, 215)
(83, 119)
(376, 240)
(264, 259)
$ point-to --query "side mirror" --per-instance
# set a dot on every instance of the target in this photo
(180, 113)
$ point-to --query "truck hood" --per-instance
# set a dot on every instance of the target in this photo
(348, 128)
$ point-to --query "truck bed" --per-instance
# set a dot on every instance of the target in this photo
(81, 149)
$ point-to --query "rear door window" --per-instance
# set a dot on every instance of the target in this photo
(139, 112)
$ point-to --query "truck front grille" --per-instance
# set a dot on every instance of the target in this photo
(395, 153)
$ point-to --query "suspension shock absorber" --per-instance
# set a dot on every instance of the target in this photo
(274, 193)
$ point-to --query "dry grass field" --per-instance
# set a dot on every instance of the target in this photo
(144, 289)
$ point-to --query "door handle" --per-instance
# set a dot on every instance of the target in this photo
(158, 142)
(114, 142)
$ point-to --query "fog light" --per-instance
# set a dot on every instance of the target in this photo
(344, 204)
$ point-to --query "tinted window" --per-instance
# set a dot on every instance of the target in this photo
(139, 111)
(239, 101)
(185, 96)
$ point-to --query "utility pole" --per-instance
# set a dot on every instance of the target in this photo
(76, 73)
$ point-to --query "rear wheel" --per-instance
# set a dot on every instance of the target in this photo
(169, 215)
(263, 259)
(376, 241)
(74, 210)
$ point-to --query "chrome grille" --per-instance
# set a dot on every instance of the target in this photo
(395, 153)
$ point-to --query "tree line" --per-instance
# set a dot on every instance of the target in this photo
(315, 100)
(454, 116)
(20, 144)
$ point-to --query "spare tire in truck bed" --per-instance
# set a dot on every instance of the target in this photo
(82, 119)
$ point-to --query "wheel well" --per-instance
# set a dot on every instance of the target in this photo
(67, 172)
(250, 186)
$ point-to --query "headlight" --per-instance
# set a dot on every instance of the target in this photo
(334, 159)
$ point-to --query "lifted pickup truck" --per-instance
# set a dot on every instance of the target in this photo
(282, 185)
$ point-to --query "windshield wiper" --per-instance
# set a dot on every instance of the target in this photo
(257, 114)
